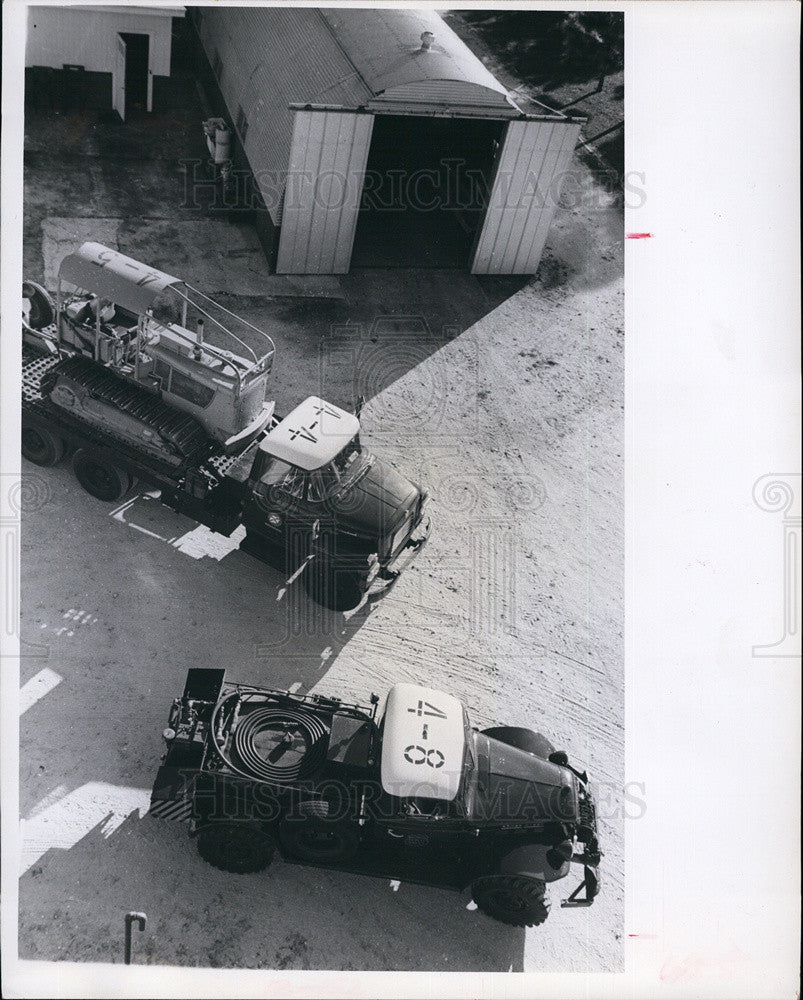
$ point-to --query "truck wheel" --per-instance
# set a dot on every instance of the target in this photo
(512, 899)
(236, 847)
(100, 477)
(319, 840)
(522, 739)
(41, 447)
(335, 591)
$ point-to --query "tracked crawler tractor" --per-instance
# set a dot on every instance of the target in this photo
(149, 354)
(418, 795)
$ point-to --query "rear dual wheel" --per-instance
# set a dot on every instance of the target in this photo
(100, 477)
(41, 446)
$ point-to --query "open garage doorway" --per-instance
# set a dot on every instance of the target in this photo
(426, 190)
(137, 66)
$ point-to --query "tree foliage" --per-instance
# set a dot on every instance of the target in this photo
(553, 47)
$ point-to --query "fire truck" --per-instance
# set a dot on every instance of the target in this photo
(417, 795)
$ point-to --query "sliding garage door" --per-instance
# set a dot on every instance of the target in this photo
(323, 191)
(530, 170)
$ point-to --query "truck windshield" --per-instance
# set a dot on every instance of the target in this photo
(339, 473)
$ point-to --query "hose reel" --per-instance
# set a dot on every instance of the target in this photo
(276, 743)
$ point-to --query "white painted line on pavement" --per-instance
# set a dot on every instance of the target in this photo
(58, 793)
(37, 687)
(61, 824)
(294, 687)
(300, 570)
(198, 543)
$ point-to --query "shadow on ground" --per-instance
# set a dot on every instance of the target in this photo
(349, 922)
(103, 623)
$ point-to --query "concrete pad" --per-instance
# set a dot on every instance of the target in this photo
(214, 255)
(61, 236)
(312, 286)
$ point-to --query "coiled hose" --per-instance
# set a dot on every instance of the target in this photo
(276, 743)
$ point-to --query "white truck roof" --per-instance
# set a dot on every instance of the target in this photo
(312, 434)
(422, 743)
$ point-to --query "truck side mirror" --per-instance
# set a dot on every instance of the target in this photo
(259, 465)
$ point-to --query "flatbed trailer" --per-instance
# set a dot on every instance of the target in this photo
(201, 488)
(339, 563)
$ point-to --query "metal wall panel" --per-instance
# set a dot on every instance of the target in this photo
(524, 196)
(323, 191)
(271, 58)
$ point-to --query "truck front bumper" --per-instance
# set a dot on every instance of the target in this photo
(385, 576)
(589, 887)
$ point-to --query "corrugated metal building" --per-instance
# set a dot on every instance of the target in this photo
(126, 46)
(376, 137)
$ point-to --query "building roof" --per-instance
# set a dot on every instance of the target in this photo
(312, 434)
(174, 10)
(267, 59)
(385, 48)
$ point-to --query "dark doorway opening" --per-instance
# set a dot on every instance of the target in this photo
(136, 72)
(426, 191)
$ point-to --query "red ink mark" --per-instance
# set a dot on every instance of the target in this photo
(648, 936)
(639, 236)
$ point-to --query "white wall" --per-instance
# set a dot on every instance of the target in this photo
(87, 37)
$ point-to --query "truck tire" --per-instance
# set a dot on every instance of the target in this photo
(236, 847)
(41, 446)
(522, 739)
(99, 477)
(319, 840)
(512, 899)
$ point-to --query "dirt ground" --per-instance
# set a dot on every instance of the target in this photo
(505, 398)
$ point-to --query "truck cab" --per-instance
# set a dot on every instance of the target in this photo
(139, 377)
(311, 474)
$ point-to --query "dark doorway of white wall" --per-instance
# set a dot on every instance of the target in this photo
(136, 72)
(426, 190)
